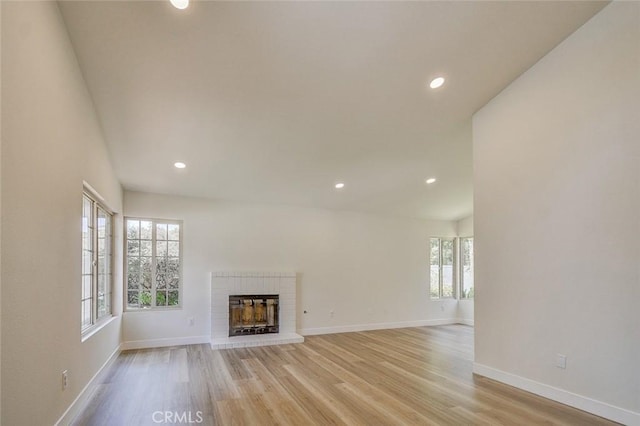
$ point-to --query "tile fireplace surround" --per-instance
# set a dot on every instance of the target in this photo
(224, 284)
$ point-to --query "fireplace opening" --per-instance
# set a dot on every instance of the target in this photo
(256, 314)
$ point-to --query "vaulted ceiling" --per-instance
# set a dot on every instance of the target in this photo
(275, 102)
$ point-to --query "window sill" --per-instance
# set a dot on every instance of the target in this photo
(457, 299)
(94, 329)
(154, 309)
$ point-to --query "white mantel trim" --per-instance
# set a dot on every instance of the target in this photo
(239, 274)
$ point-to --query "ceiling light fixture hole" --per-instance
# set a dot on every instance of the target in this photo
(180, 4)
(436, 82)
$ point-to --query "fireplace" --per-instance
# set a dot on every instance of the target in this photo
(280, 287)
(253, 314)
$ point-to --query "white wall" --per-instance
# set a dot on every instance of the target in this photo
(367, 269)
(464, 228)
(51, 142)
(557, 220)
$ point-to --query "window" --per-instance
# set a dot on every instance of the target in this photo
(97, 225)
(466, 268)
(154, 263)
(442, 260)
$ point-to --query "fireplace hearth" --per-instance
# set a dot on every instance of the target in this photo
(253, 314)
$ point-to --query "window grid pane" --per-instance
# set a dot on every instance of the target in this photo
(134, 278)
(443, 261)
(87, 263)
(466, 275)
(447, 252)
(96, 277)
(153, 264)
(108, 290)
(104, 263)
(435, 268)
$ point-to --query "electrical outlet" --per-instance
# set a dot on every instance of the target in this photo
(65, 379)
(331, 313)
(561, 361)
(191, 321)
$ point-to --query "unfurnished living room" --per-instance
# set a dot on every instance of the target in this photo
(319, 212)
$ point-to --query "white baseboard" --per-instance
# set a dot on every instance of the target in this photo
(377, 326)
(85, 394)
(160, 343)
(562, 396)
(256, 340)
(465, 321)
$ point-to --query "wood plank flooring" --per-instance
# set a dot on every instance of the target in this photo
(413, 376)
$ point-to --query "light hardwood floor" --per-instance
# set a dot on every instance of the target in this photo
(412, 376)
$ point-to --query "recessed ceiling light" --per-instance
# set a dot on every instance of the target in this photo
(431, 180)
(339, 185)
(436, 82)
(179, 165)
(180, 4)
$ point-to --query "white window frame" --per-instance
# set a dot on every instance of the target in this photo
(461, 267)
(154, 222)
(96, 322)
(454, 268)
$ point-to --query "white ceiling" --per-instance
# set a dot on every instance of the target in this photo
(274, 102)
